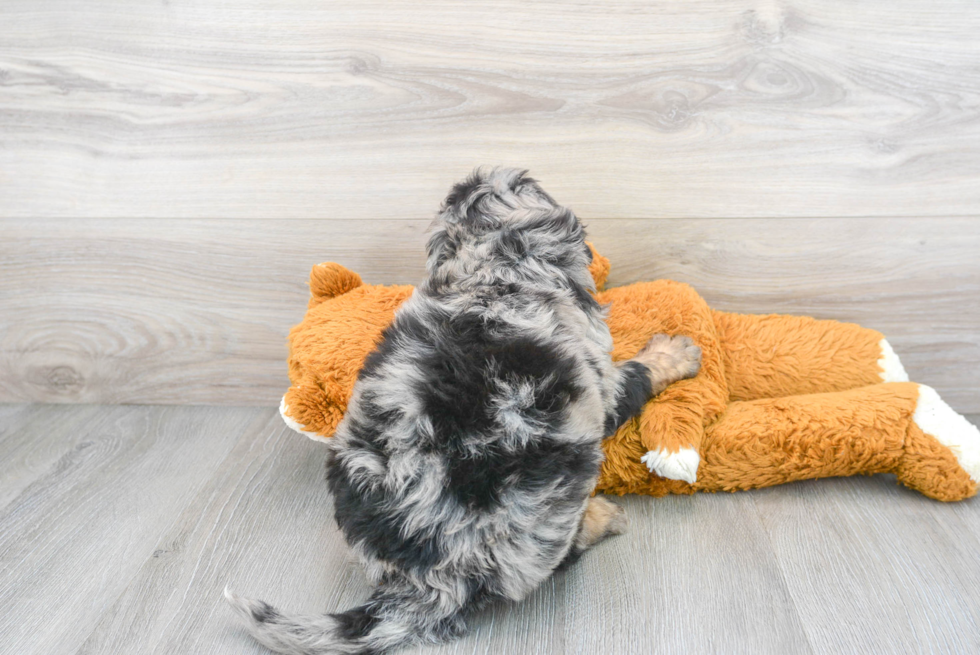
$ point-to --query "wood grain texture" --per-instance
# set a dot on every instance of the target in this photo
(185, 311)
(904, 569)
(634, 600)
(126, 549)
(261, 523)
(72, 539)
(28, 453)
(371, 109)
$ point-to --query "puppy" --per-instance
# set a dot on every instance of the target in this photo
(462, 470)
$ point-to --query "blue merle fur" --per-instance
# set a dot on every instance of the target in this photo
(472, 441)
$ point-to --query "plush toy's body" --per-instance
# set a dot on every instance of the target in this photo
(778, 398)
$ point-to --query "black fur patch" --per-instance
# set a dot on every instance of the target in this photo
(442, 246)
(463, 377)
(512, 244)
(461, 191)
(464, 371)
(477, 481)
(465, 362)
(573, 556)
(559, 223)
(264, 612)
(471, 193)
(636, 391)
(356, 623)
(585, 299)
(364, 517)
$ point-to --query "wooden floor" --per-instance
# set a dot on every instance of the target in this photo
(121, 525)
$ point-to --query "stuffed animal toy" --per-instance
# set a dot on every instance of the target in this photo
(778, 398)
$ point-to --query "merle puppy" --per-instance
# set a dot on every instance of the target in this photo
(462, 470)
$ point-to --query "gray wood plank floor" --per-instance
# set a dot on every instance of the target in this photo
(120, 525)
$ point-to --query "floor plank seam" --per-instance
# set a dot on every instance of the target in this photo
(782, 573)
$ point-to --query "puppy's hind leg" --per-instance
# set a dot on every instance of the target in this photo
(602, 518)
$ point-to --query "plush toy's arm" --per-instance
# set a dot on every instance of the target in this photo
(672, 424)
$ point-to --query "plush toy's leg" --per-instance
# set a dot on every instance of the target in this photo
(942, 450)
(890, 365)
(900, 428)
(762, 443)
(771, 356)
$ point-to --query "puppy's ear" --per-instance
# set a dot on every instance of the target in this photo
(463, 195)
(329, 280)
(559, 222)
(599, 268)
(440, 247)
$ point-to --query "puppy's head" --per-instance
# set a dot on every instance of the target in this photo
(499, 217)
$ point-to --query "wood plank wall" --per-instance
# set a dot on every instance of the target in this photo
(170, 171)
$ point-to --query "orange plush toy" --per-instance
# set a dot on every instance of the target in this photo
(778, 398)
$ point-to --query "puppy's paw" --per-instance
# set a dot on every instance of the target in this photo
(670, 359)
(619, 522)
(603, 518)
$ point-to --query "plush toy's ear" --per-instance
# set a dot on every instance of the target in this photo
(599, 268)
(329, 280)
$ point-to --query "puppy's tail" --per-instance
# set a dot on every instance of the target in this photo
(396, 615)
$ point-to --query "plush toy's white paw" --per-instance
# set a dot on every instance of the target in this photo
(682, 465)
(283, 409)
(936, 418)
(891, 366)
